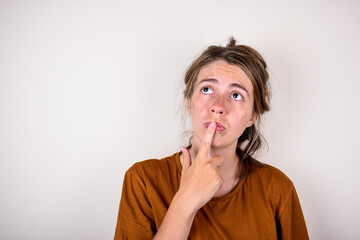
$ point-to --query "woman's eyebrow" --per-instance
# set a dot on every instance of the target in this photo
(213, 80)
(232, 85)
(237, 85)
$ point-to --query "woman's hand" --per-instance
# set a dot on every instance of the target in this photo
(201, 178)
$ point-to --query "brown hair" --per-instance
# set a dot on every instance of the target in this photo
(252, 63)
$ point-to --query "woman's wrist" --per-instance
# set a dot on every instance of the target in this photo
(178, 220)
(183, 206)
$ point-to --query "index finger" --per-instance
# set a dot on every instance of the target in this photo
(207, 140)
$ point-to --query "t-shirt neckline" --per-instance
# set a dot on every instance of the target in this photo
(214, 199)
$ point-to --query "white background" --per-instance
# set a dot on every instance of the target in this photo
(87, 88)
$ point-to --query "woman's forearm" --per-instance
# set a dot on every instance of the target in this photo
(177, 221)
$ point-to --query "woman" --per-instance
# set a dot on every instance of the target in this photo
(215, 189)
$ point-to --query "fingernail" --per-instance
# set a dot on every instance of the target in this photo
(212, 125)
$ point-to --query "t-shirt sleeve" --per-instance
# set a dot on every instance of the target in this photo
(135, 218)
(291, 223)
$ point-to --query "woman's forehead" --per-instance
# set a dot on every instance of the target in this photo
(224, 72)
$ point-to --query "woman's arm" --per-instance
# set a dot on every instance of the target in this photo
(135, 217)
(291, 223)
(199, 183)
(177, 221)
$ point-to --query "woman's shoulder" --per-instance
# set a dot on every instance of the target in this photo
(156, 167)
(270, 171)
(272, 178)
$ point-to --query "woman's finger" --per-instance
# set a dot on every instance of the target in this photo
(207, 140)
(186, 159)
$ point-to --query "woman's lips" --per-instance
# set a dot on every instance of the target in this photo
(219, 126)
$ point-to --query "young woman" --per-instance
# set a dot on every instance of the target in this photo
(214, 188)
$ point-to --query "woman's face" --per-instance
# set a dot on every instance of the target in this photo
(222, 93)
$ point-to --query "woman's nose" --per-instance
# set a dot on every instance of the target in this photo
(218, 106)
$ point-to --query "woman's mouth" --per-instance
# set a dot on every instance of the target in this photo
(219, 126)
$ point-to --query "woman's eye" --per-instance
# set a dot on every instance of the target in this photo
(236, 96)
(206, 90)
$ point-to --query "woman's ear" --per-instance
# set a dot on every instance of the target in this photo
(253, 118)
(188, 103)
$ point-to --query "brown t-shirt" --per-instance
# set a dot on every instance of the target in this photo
(264, 205)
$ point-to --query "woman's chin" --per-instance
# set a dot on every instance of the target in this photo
(220, 142)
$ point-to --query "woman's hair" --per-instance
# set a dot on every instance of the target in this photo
(252, 63)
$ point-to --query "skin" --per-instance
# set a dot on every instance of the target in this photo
(223, 94)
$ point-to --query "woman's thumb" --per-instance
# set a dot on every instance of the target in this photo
(186, 159)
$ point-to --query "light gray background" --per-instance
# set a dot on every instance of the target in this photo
(87, 88)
